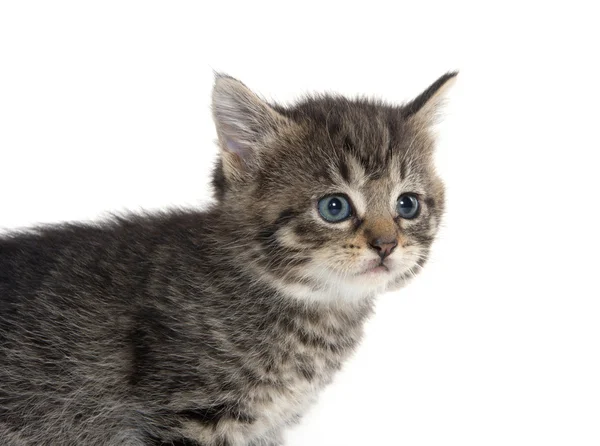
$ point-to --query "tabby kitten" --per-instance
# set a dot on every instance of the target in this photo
(219, 327)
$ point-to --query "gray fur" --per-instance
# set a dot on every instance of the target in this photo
(216, 327)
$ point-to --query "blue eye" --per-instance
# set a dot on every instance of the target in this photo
(334, 208)
(407, 206)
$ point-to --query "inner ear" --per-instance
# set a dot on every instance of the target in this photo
(244, 124)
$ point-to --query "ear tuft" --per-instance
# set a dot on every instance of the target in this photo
(426, 106)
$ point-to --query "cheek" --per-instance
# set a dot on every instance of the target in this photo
(310, 232)
(289, 238)
(405, 256)
(344, 251)
(419, 232)
(303, 235)
(353, 244)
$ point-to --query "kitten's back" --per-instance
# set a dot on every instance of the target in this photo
(68, 296)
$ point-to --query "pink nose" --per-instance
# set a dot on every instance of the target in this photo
(383, 247)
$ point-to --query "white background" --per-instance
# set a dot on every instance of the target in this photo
(104, 106)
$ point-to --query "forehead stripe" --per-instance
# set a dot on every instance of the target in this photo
(344, 171)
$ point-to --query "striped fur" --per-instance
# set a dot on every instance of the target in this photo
(217, 327)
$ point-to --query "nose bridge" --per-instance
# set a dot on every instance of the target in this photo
(381, 226)
(381, 232)
(379, 221)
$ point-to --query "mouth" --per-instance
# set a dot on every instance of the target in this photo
(379, 268)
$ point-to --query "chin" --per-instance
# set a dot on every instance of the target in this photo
(377, 278)
(364, 281)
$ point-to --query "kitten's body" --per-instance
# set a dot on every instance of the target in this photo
(159, 330)
(207, 328)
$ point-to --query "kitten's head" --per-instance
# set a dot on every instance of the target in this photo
(332, 198)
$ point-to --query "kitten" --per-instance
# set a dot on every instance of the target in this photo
(219, 327)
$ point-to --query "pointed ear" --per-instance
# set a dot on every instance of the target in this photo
(244, 122)
(425, 107)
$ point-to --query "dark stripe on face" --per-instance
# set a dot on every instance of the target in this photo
(390, 149)
(285, 217)
(403, 169)
(373, 167)
(308, 234)
(349, 145)
(422, 239)
(278, 256)
(344, 171)
(267, 235)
